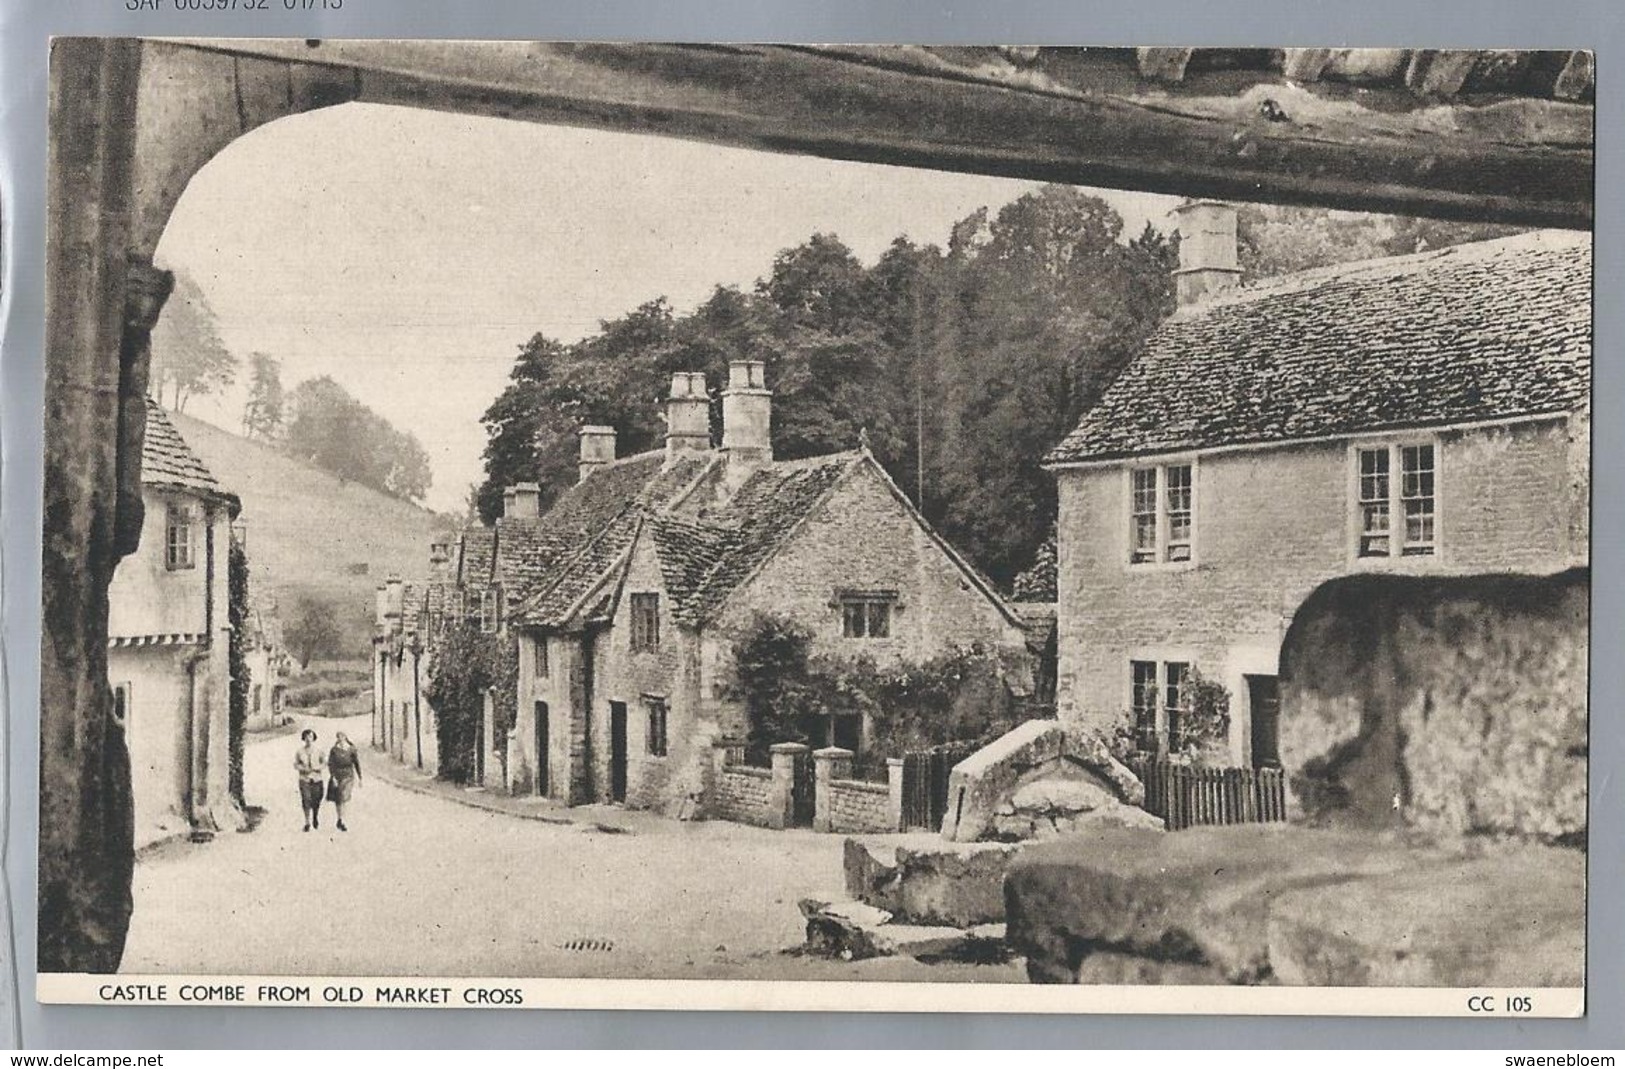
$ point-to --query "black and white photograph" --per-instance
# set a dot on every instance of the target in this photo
(992, 528)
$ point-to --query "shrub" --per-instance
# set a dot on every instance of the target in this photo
(466, 664)
(308, 695)
(237, 667)
(957, 696)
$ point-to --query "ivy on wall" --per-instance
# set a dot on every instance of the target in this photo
(237, 665)
(465, 664)
(959, 695)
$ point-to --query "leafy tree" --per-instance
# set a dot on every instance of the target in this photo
(262, 415)
(188, 355)
(333, 431)
(313, 631)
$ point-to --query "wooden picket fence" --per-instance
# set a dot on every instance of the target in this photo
(1186, 796)
(925, 783)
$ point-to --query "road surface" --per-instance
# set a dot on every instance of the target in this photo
(423, 886)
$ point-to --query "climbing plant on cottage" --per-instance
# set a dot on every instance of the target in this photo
(465, 666)
(237, 665)
(787, 689)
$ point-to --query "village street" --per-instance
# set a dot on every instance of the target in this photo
(421, 885)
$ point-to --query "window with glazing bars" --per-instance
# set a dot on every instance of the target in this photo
(1174, 693)
(1416, 504)
(1143, 699)
(657, 727)
(178, 538)
(1162, 514)
(645, 623)
(866, 615)
(1144, 520)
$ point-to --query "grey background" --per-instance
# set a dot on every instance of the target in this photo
(25, 26)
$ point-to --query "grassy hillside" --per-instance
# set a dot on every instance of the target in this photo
(315, 534)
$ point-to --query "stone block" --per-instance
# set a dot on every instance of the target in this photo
(1512, 918)
(854, 931)
(1198, 897)
(979, 785)
(920, 878)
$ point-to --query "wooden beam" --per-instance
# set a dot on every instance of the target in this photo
(1242, 135)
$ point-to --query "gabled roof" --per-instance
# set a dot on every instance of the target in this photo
(705, 558)
(577, 542)
(167, 461)
(1471, 333)
(475, 547)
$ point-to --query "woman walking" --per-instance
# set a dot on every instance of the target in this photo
(344, 766)
(310, 763)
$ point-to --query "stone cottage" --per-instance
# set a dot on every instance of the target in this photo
(265, 655)
(168, 643)
(627, 595)
(1422, 415)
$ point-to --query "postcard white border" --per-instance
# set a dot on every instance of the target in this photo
(127, 989)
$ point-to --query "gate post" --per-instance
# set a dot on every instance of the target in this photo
(894, 785)
(830, 763)
(782, 789)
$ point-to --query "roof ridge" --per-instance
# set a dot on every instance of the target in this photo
(1310, 278)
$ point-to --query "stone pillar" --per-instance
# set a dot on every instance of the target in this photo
(86, 824)
(725, 751)
(830, 763)
(894, 785)
(782, 791)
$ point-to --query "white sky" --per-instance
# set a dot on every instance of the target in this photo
(408, 254)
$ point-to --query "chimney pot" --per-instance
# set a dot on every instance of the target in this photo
(1208, 263)
(597, 449)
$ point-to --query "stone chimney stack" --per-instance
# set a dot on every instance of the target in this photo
(747, 413)
(380, 608)
(439, 562)
(688, 414)
(1207, 251)
(597, 449)
(522, 501)
(393, 599)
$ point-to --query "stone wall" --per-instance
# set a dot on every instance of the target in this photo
(1271, 526)
(1455, 704)
(863, 538)
(743, 795)
(857, 806)
(148, 598)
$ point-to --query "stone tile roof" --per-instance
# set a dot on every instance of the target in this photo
(166, 459)
(475, 548)
(1484, 331)
(706, 557)
(576, 543)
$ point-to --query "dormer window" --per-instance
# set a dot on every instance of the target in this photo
(179, 550)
